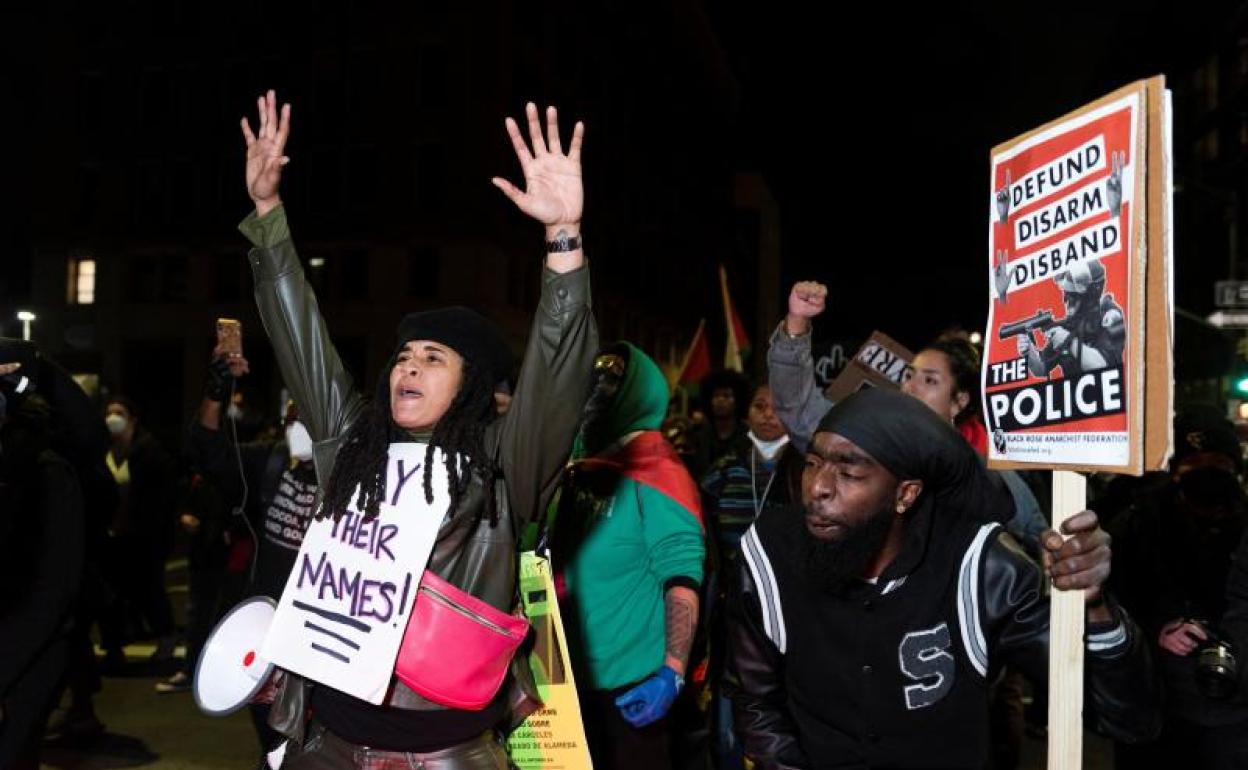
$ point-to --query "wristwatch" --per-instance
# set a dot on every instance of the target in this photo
(562, 243)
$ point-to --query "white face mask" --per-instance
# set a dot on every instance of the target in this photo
(298, 441)
(116, 424)
(234, 412)
(768, 449)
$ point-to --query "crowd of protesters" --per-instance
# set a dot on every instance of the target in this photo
(774, 581)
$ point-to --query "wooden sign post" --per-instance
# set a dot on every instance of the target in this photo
(1066, 616)
(1078, 364)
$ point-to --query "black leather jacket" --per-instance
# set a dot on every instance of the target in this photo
(529, 445)
(897, 675)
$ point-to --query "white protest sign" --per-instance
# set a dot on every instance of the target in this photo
(348, 598)
(1078, 359)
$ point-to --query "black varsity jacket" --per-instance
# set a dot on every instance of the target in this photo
(896, 674)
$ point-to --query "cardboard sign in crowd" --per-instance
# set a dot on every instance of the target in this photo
(1078, 365)
(880, 362)
(347, 601)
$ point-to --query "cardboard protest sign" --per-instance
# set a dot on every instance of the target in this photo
(1078, 370)
(553, 737)
(831, 357)
(1079, 270)
(348, 599)
(880, 362)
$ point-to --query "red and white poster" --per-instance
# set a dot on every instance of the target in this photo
(1063, 376)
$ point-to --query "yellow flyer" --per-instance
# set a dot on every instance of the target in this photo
(553, 737)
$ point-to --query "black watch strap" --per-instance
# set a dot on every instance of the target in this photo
(563, 243)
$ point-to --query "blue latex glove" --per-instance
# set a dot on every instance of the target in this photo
(649, 701)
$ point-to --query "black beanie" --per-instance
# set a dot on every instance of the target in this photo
(905, 436)
(465, 331)
(1205, 429)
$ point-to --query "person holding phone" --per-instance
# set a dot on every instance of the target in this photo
(271, 482)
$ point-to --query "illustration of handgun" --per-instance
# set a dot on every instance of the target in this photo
(1041, 320)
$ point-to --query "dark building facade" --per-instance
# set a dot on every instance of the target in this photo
(124, 243)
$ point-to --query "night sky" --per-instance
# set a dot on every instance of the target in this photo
(871, 124)
(879, 153)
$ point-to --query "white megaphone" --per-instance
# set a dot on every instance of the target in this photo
(230, 670)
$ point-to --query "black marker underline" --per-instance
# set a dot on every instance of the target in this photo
(357, 625)
(327, 632)
(331, 653)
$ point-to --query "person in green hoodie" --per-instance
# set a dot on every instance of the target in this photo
(629, 533)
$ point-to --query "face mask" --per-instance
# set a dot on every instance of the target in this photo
(298, 441)
(768, 449)
(1209, 488)
(116, 424)
(596, 414)
(234, 412)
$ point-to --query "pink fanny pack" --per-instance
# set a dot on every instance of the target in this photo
(456, 648)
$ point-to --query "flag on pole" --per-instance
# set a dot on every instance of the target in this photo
(697, 362)
(738, 347)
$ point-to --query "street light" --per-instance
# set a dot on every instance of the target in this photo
(976, 338)
(26, 317)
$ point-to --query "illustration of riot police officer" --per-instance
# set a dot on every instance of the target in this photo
(1090, 337)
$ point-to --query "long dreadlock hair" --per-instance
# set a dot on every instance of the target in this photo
(460, 434)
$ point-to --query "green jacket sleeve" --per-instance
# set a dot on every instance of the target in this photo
(536, 434)
(673, 536)
(325, 392)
